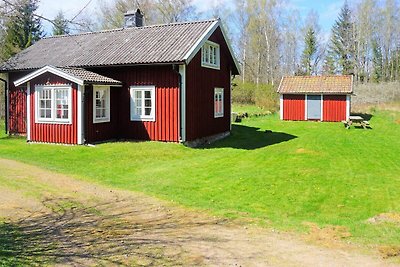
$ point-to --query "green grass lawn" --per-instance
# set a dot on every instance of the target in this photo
(300, 172)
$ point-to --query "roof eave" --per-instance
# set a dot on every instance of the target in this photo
(50, 69)
(197, 46)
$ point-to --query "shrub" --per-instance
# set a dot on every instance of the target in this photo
(263, 96)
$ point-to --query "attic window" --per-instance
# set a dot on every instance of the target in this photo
(210, 55)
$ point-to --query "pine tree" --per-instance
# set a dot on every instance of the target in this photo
(343, 41)
(309, 52)
(329, 67)
(60, 26)
(23, 28)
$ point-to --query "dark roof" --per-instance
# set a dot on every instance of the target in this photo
(316, 84)
(88, 76)
(78, 75)
(167, 43)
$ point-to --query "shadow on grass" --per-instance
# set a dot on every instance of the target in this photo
(245, 137)
(113, 233)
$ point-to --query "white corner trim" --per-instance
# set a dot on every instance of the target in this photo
(281, 106)
(182, 72)
(322, 107)
(305, 107)
(80, 119)
(50, 69)
(196, 47)
(348, 99)
(28, 112)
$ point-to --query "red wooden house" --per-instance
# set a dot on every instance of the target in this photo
(167, 82)
(322, 98)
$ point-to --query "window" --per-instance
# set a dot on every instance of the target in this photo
(143, 103)
(101, 104)
(210, 55)
(218, 102)
(53, 104)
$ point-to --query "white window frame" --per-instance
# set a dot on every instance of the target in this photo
(53, 119)
(143, 117)
(207, 55)
(218, 92)
(106, 89)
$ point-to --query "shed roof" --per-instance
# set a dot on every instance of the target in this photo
(333, 84)
(157, 44)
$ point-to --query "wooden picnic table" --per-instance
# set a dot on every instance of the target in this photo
(356, 120)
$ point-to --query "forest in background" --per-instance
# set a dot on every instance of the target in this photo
(270, 40)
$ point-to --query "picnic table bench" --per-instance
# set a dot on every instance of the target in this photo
(356, 120)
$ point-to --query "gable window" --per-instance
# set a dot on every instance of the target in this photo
(143, 103)
(53, 104)
(101, 104)
(210, 55)
(218, 102)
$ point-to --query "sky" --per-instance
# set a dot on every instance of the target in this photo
(328, 10)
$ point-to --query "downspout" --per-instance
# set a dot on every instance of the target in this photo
(5, 103)
(175, 68)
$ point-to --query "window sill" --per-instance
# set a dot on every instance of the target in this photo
(209, 66)
(143, 119)
(53, 122)
(218, 116)
(95, 121)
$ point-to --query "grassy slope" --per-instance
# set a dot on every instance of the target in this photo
(303, 171)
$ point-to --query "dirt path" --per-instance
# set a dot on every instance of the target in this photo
(57, 220)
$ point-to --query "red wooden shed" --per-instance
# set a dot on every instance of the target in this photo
(322, 98)
(169, 82)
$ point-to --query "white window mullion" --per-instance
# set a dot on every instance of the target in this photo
(138, 103)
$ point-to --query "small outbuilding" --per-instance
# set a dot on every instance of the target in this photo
(320, 98)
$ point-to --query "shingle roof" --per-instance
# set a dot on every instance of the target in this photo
(88, 76)
(316, 84)
(168, 43)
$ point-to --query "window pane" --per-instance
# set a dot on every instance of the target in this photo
(138, 111)
(147, 103)
(48, 113)
(147, 111)
(138, 94)
(98, 103)
(147, 94)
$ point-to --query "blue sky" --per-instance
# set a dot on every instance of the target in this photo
(327, 9)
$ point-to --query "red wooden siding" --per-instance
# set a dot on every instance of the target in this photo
(334, 108)
(95, 132)
(49, 132)
(293, 107)
(17, 105)
(166, 124)
(17, 110)
(200, 84)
